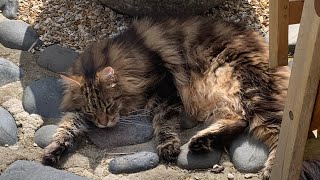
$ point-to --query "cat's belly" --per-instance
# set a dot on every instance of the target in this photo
(214, 95)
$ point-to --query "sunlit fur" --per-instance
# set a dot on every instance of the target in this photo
(214, 71)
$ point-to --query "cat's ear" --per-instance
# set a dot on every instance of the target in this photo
(71, 81)
(105, 74)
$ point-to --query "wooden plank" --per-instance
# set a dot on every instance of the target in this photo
(303, 86)
(295, 11)
(312, 149)
(278, 33)
(315, 121)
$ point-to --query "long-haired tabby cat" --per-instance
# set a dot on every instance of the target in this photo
(214, 71)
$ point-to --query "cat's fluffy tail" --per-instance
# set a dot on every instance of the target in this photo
(310, 170)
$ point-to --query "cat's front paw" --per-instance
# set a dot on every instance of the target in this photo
(200, 144)
(169, 151)
(266, 172)
(52, 153)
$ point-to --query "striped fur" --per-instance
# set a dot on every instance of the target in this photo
(215, 71)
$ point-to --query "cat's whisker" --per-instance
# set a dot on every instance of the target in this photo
(121, 122)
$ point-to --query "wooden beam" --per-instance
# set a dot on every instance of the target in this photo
(303, 86)
(295, 11)
(278, 33)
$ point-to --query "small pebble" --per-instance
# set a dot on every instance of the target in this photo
(248, 176)
(230, 176)
(6, 145)
(217, 169)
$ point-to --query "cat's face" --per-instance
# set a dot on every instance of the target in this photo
(98, 99)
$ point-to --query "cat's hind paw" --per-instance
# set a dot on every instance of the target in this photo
(169, 151)
(52, 153)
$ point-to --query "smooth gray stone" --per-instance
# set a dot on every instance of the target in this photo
(56, 58)
(247, 154)
(189, 160)
(9, 8)
(16, 34)
(136, 131)
(8, 128)
(43, 97)
(43, 136)
(9, 72)
(163, 8)
(133, 163)
(31, 170)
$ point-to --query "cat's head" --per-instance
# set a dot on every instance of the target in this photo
(98, 98)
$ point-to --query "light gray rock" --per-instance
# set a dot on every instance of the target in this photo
(164, 8)
(9, 72)
(135, 131)
(133, 163)
(247, 154)
(31, 170)
(43, 97)
(293, 32)
(43, 136)
(17, 34)
(8, 128)
(9, 8)
(56, 58)
(189, 160)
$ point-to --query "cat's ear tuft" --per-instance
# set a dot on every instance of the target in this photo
(106, 73)
(71, 81)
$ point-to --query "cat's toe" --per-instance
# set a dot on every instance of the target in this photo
(52, 153)
(200, 144)
(169, 152)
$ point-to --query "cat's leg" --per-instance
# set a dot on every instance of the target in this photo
(166, 124)
(71, 127)
(217, 133)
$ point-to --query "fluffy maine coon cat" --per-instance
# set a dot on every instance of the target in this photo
(215, 71)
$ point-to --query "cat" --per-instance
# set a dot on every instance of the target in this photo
(217, 72)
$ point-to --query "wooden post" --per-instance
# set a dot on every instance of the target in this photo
(303, 86)
(278, 33)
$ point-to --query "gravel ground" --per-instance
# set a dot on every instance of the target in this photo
(74, 24)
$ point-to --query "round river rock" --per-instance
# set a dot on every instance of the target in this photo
(247, 154)
(8, 128)
(9, 72)
(16, 34)
(189, 160)
(43, 97)
(133, 163)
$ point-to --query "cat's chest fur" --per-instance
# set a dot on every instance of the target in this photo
(214, 93)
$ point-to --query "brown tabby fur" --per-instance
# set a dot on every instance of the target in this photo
(214, 71)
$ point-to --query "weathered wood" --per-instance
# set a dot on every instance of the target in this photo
(301, 97)
(278, 33)
(312, 149)
(295, 11)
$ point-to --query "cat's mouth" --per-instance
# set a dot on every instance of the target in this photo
(108, 124)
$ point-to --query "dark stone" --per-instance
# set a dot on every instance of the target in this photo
(43, 97)
(135, 131)
(43, 136)
(163, 8)
(9, 72)
(31, 170)
(186, 122)
(133, 163)
(9, 8)
(189, 160)
(247, 154)
(16, 34)
(8, 128)
(56, 58)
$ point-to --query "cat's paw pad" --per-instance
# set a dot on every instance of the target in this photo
(169, 151)
(52, 153)
(200, 144)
